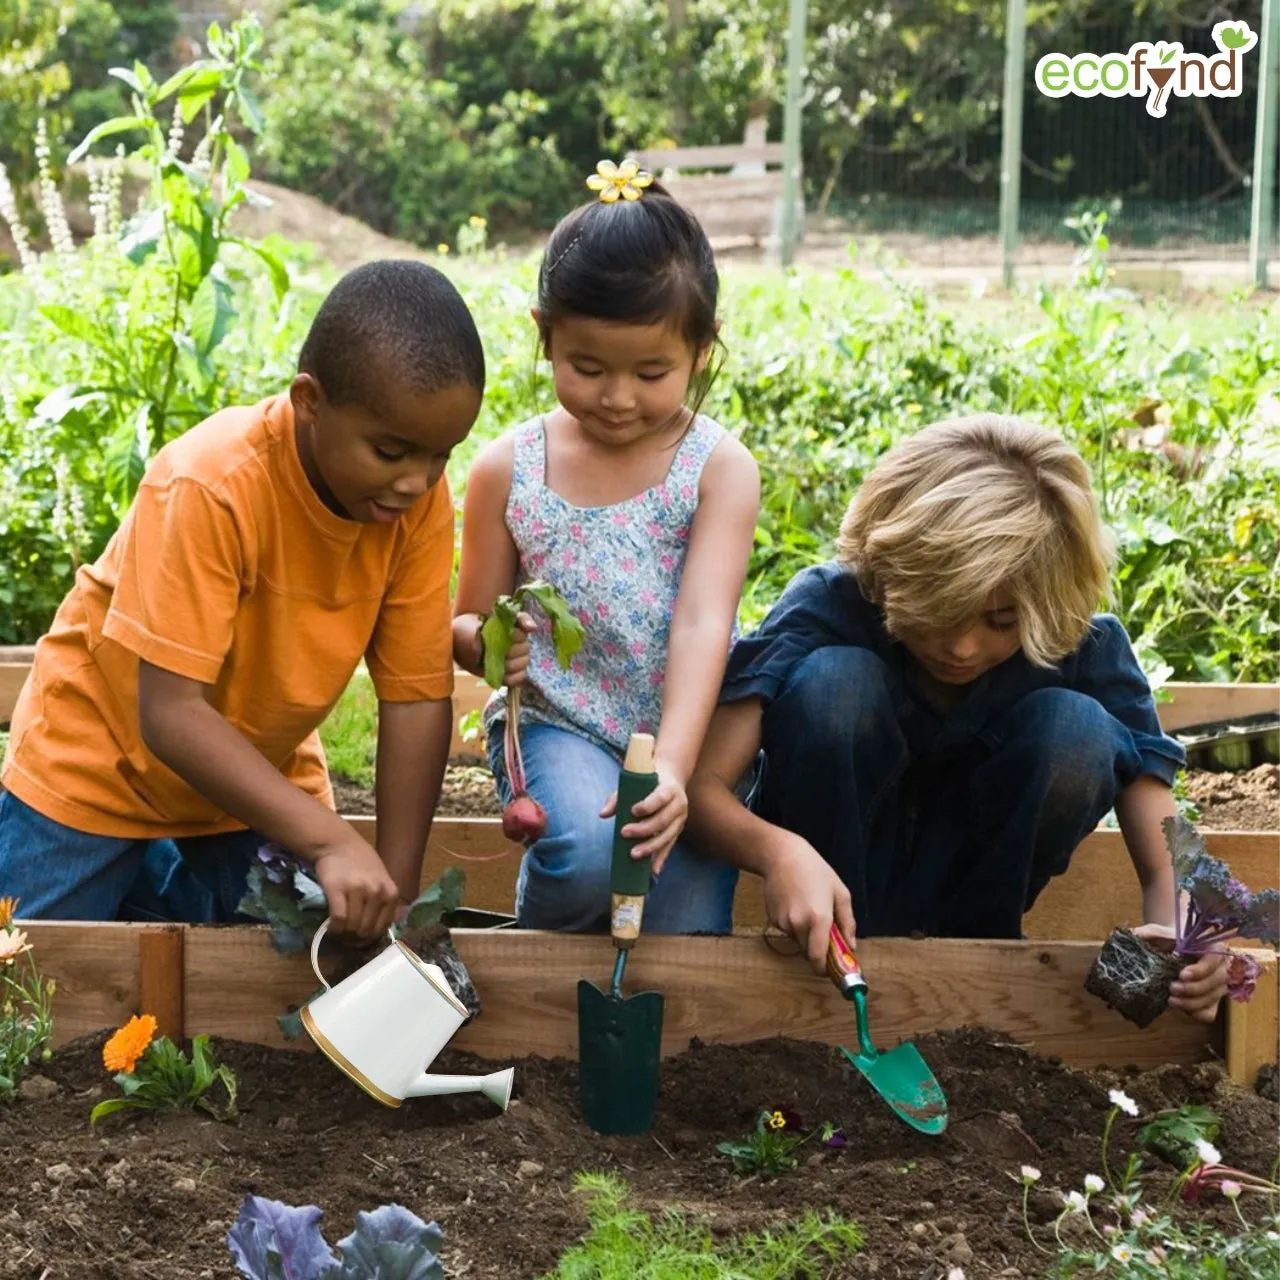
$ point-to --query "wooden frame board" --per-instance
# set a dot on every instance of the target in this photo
(1098, 891)
(730, 990)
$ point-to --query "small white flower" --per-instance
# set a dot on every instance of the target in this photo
(1230, 1189)
(1122, 1100)
(1074, 1201)
(1139, 1217)
(1093, 1184)
(955, 1274)
(1030, 1174)
(1122, 1253)
(1208, 1152)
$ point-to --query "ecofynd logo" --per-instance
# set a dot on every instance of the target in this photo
(1156, 70)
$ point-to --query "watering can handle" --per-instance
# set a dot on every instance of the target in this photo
(842, 964)
(315, 950)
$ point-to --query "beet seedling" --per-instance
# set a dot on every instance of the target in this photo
(524, 818)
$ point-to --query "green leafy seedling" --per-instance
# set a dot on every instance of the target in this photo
(1173, 1135)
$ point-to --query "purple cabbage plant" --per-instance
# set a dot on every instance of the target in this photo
(1218, 908)
(272, 1240)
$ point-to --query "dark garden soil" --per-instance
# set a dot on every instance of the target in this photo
(1227, 801)
(153, 1196)
(1241, 801)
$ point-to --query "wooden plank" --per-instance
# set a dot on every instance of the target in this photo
(160, 978)
(732, 990)
(96, 969)
(1200, 703)
(759, 188)
(1253, 1029)
(1099, 890)
(656, 159)
(13, 675)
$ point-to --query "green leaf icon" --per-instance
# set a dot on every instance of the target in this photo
(1168, 55)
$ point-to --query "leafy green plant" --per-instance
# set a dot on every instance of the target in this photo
(154, 1074)
(771, 1147)
(26, 1004)
(111, 347)
(349, 733)
(626, 1244)
(1175, 1135)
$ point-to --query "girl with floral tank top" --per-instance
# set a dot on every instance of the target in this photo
(640, 511)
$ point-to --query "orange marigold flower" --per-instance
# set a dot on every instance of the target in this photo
(122, 1051)
(8, 910)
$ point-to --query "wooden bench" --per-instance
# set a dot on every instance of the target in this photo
(738, 195)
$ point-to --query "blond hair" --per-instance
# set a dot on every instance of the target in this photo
(973, 505)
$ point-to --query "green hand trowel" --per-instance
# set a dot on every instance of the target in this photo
(620, 1039)
(901, 1076)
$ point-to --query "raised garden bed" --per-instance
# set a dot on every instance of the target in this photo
(152, 1196)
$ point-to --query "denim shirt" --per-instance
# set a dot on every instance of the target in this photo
(824, 606)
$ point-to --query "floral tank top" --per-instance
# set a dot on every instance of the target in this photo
(619, 569)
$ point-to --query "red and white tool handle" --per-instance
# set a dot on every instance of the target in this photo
(842, 964)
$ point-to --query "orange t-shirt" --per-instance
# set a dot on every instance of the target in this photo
(228, 569)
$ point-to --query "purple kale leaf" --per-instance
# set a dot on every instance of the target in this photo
(1218, 907)
(275, 1241)
(391, 1244)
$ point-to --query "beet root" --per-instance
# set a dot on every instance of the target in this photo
(524, 819)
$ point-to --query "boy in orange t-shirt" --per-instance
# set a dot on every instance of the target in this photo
(177, 695)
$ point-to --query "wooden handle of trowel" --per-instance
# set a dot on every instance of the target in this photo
(629, 877)
(842, 964)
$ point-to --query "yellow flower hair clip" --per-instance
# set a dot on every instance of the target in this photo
(625, 181)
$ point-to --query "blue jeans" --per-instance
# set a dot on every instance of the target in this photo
(941, 823)
(59, 873)
(564, 877)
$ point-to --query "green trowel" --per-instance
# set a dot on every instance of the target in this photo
(620, 1038)
(901, 1076)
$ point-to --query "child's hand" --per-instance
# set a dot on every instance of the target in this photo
(363, 898)
(518, 654)
(658, 819)
(1200, 985)
(803, 895)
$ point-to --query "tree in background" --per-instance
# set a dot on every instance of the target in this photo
(32, 76)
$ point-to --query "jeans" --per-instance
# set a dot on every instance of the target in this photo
(59, 873)
(941, 823)
(564, 877)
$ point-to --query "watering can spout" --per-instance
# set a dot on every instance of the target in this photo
(496, 1086)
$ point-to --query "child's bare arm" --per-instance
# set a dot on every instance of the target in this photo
(181, 729)
(1141, 807)
(489, 560)
(698, 649)
(802, 893)
(413, 749)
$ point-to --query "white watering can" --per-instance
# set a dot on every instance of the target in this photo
(387, 1021)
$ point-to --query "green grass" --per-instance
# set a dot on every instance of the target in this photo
(626, 1244)
(350, 734)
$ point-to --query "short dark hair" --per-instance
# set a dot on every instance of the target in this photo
(638, 261)
(394, 319)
